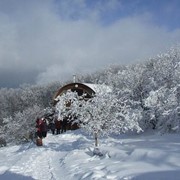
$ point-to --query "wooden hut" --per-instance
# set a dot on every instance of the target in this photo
(75, 87)
(89, 90)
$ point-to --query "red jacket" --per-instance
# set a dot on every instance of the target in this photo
(39, 123)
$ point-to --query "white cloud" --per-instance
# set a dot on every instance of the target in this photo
(35, 37)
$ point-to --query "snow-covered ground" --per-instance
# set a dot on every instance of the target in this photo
(69, 156)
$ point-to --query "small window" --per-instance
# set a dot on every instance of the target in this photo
(79, 91)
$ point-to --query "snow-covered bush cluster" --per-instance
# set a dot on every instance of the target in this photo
(144, 95)
(19, 109)
(152, 88)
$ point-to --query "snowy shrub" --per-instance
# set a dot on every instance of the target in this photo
(19, 128)
(163, 109)
(169, 121)
(2, 139)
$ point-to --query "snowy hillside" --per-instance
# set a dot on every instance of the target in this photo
(69, 157)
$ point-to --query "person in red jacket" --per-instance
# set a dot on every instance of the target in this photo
(38, 127)
(44, 128)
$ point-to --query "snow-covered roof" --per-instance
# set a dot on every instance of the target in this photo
(99, 88)
(87, 88)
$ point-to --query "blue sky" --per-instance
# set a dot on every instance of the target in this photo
(47, 40)
(163, 12)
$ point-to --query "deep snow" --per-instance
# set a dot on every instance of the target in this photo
(69, 156)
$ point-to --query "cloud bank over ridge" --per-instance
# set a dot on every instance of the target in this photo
(44, 41)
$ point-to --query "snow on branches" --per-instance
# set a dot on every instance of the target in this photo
(101, 115)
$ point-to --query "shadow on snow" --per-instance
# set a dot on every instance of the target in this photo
(13, 176)
(159, 175)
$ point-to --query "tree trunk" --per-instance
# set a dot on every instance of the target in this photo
(96, 139)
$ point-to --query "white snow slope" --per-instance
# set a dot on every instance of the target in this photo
(69, 156)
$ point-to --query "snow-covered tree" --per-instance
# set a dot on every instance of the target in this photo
(100, 115)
